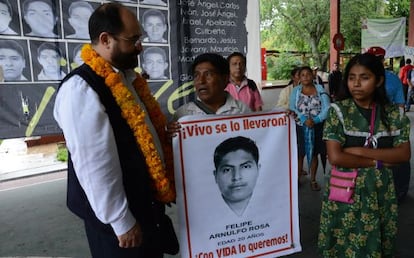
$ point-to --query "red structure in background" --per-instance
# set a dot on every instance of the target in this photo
(335, 30)
(264, 65)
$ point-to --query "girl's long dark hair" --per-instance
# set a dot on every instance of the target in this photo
(374, 64)
(292, 74)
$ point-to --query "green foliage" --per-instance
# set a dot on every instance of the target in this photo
(304, 26)
(279, 68)
(296, 25)
(62, 154)
(352, 13)
(398, 8)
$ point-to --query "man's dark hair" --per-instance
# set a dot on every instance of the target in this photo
(106, 18)
(48, 2)
(153, 12)
(218, 61)
(154, 50)
(237, 54)
(9, 7)
(49, 46)
(11, 44)
(408, 61)
(77, 4)
(308, 68)
(293, 72)
(234, 144)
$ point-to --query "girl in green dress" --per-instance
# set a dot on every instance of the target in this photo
(368, 227)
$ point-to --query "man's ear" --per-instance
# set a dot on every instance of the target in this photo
(105, 39)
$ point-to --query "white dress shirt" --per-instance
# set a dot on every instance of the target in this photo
(90, 140)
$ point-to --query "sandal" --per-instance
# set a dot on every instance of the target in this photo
(315, 186)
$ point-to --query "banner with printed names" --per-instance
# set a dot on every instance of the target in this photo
(40, 43)
(236, 179)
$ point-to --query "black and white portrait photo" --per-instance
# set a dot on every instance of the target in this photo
(8, 18)
(155, 62)
(51, 61)
(13, 60)
(76, 19)
(41, 18)
(75, 55)
(236, 162)
(155, 26)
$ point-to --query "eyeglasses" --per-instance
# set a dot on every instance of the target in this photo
(137, 40)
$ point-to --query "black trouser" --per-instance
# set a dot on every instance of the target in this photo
(401, 174)
(104, 244)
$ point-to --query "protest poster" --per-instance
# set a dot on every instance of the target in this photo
(236, 179)
(173, 34)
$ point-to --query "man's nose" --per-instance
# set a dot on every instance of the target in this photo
(8, 62)
(201, 78)
(236, 174)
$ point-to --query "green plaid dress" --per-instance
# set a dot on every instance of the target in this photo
(368, 227)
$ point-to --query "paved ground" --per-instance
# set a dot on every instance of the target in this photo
(34, 220)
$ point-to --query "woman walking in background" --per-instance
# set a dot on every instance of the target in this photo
(310, 102)
(284, 95)
(368, 226)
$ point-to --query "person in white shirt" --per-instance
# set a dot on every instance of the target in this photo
(211, 73)
(118, 148)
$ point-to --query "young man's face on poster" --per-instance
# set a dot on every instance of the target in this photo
(236, 176)
(13, 64)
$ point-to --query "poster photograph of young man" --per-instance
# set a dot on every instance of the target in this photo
(155, 62)
(8, 18)
(50, 62)
(236, 163)
(75, 18)
(75, 55)
(41, 18)
(154, 23)
(240, 164)
(13, 60)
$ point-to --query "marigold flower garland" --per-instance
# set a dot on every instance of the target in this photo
(162, 178)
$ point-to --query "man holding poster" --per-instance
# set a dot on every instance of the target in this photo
(259, 214)
(211, 73)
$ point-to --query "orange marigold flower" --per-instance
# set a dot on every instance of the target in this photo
(162, 178)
